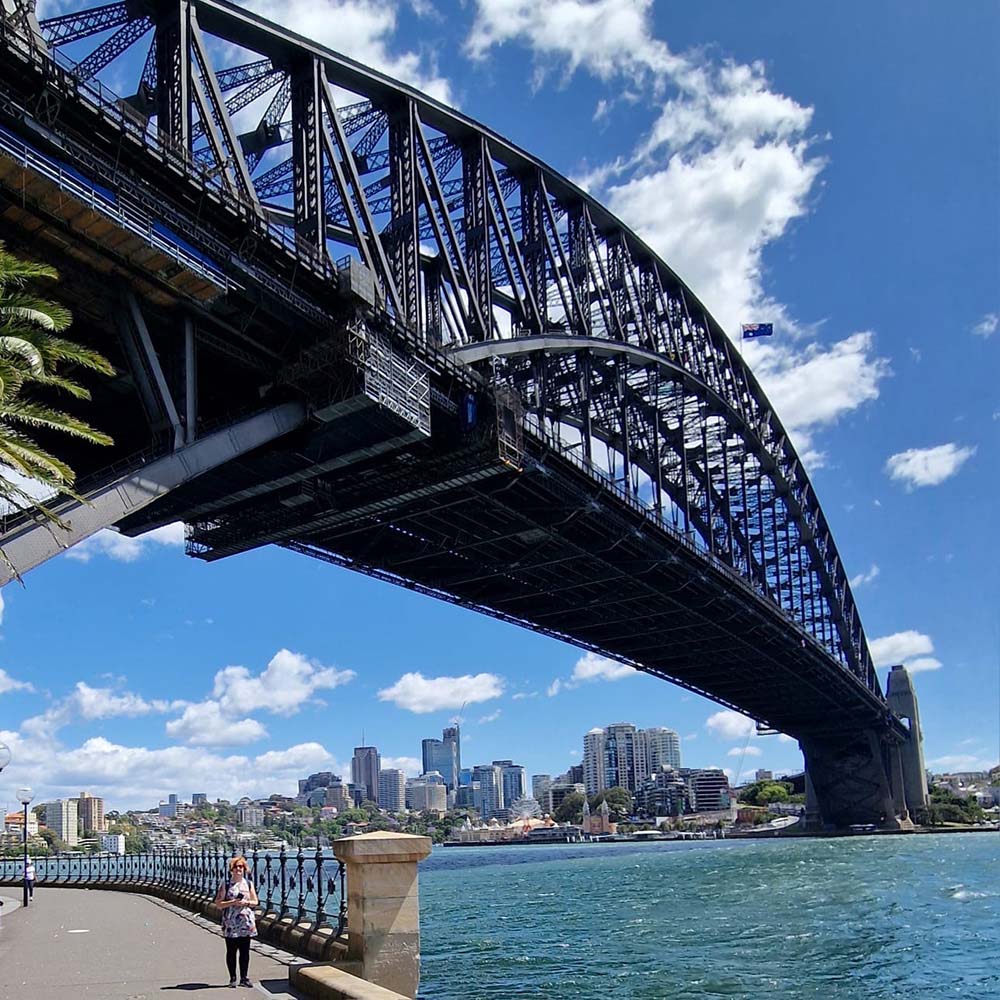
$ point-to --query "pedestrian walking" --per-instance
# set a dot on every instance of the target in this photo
(29, 877)
(237, 897)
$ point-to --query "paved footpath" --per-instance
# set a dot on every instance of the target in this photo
(80, 944)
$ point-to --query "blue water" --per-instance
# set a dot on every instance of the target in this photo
(849, 919)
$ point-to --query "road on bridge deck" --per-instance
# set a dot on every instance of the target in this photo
(80, 944)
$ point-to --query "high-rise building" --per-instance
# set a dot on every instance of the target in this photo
(662, 746)
(709, 789)
(593, 761)
(664, 793)
(392, 789)
(623, 756)
(365, 767)
(321, 779)
(761, 774)
(514, 779)
(488, 800)
(540, 784)
(248, 813)
(444, 755)
(62, 819)
(199, 799)
(91, 813)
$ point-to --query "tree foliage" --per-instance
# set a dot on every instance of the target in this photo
(763, 793)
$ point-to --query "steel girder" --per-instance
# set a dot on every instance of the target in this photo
(472, 241)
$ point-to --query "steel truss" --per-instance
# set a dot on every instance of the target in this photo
(480, 250)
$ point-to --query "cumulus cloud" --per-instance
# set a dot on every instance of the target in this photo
(492, 717)
(8, 683)
(205, 725)
(987, 326)
(862, 578)
(283, 687)
(554, 688)
(421, 695)
(121, 548)
(927, 466)
(90, 704)
(923, 663)
(961, 762)
(749, 751)
(363, 30)
(891, 649)
(591, 667)
(726, 168)
(410, 766)
(730, 725)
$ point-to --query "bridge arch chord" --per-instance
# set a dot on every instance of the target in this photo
(475, 243)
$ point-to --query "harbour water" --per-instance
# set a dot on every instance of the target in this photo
(860, 918)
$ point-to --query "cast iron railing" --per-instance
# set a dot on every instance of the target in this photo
(306, 886)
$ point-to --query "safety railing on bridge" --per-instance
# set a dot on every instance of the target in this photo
(307, 886)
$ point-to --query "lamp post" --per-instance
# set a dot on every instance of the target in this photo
(25, 795)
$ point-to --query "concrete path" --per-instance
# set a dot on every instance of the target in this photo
(80, 944)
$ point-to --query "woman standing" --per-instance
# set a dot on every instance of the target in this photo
(237, 898)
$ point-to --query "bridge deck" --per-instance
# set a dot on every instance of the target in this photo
(71, 943)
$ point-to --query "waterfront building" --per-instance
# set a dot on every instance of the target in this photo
(514, 780)
(488, 799)
(365, 766)
(593, 761)
(90, 809)
(113, 843)
(62, 819)
(199, 799)
(428, 793)
(660, 746)
(599, 824)
(709, 789)
(392, 790)
(444, 755)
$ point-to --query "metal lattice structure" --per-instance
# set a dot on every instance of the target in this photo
(557, 375)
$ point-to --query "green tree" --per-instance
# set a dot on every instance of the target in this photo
(619, 803)
(570, 809)
(34, 357)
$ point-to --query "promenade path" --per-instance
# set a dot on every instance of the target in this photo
(80, 944)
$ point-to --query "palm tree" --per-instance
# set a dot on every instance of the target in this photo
(33, 354)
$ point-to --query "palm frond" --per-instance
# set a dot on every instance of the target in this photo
(35, 415)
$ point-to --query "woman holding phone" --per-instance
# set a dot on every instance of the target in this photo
(237, 898)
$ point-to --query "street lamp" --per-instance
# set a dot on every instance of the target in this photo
(24, 796)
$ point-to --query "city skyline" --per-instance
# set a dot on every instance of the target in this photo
(791, 196)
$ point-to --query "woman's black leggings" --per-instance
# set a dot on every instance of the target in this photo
(241, 945)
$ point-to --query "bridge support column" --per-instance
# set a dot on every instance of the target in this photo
(849, 777)
(912, 777)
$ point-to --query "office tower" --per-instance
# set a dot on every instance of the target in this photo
(664, 793)
(392, 789)
(91, 813)
(321, 779)
(444, 755)
(662, 746)
(593, 761)
(623, 753)
(365, 766)
(514, 780)
(62, 819)
(199, 799)
(489, 799)
(540, 784)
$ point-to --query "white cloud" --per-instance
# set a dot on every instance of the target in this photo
(410, 766)
(862, 578)
(890, 649)
(927, 466)
(206, 725)
(121, 548)
(726, 168)
(961, 762)
(300, 758)
(8, 683)
(521, 695)
(91, 704)
(730, 725)
(749, 751)
(361, 29)
(492, 717)
(554, 688)
(591, 667)
(289, 680)
(420, 694)
(785, 738)
(923, 663)
(987, 326)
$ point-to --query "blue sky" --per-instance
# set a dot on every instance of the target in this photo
(830, 168)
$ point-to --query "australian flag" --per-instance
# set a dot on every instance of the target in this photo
(753, 330)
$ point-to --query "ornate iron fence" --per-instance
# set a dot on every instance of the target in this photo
(307, 886)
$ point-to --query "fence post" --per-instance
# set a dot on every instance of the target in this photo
(383, 912)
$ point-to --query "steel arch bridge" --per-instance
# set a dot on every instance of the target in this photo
(354, 322)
